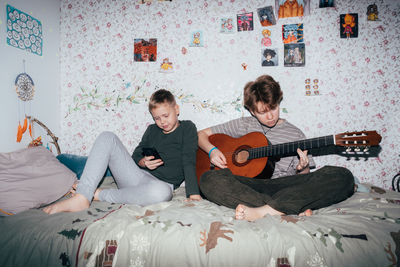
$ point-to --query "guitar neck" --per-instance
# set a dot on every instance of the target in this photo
(291, 147)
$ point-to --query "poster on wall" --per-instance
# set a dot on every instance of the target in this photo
(292, 33)
(196, 39)
(245, 22)
(294, 55)
(292, 8)
(145, 50)
(326, 3)
(23, 31)
(349, 25)
(227, 25)
(266, 16)
(269, 57)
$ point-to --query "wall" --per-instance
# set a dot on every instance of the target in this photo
(103, 88)
(44, 71)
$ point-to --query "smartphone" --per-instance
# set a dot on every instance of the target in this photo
(151, 151)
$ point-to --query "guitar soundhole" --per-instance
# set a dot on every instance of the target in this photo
(241, 156)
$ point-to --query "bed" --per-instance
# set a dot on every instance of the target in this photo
(364, 230)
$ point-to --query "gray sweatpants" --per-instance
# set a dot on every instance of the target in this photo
(135, 185)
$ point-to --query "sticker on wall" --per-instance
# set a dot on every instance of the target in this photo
(145, 50)
(266, 41)
(269, 57)
(349, 25)
(312, 89)
(266, 16)
(196, 39)
(326, 3)
(372, 12)
(227, 25)
(244, 66)
(145, 1)
(245, 22)
(294, 55)
(292, 8)
(166, 66)
(23, 31)
(292, 33)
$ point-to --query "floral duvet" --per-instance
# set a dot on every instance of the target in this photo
(364, 230)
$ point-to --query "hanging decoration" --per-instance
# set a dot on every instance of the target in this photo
(25, 88)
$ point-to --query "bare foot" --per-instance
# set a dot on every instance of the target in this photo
(307, 212)
(96, 194)
(251, 214)
(76, 203)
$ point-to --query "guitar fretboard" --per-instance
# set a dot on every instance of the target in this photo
(291, 147)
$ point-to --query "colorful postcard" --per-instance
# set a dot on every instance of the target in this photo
(292, 33)
(266, 16)
(292, 8)
(196, 39)
(23, 31)
(266, 40)
(227, 25)
(269, 57)
(349, 26)
(326, 3)
(245, 22)
(145, 50)
(294, 55)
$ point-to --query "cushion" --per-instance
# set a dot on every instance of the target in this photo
(76, 163)
(30, 178)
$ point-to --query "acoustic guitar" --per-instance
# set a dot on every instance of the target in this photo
(248, 155)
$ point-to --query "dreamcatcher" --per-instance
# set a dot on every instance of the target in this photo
(25, 88)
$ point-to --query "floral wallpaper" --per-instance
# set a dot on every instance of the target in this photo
(104, 88)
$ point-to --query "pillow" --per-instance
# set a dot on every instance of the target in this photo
(30, 178)
(76, 164)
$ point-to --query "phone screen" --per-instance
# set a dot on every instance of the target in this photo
(151, 151)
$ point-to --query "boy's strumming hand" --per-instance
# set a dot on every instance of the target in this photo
(303, 166)
(150, 163)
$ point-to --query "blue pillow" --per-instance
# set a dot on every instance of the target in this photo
(76, 164)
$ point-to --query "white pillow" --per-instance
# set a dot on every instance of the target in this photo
(30, 178)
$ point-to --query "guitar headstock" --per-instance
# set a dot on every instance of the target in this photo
(358, 139)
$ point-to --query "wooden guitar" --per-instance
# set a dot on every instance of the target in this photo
(248, 155)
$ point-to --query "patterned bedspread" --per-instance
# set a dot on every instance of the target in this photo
(361, 231)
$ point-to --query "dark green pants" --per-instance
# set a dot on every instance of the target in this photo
(290, 194)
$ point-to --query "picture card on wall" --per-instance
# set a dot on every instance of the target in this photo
(245, 22)
(349, 25)
(145, 50)
(23, 31)
(292, 33)
(372, 12)
(269, 57)
(265, 40)
(196, 39)
(294, 55)
(292, 8)
(227, 25)
(326, 3)
(266, 16)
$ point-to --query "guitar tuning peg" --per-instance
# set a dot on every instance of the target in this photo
(357, 149)
(348, 149)
(366, 149)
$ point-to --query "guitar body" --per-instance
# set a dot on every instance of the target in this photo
(235, 151)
